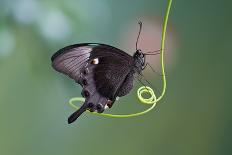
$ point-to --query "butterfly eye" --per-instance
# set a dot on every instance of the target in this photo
(141, 55)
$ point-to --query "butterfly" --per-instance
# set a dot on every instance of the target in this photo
(104, 72)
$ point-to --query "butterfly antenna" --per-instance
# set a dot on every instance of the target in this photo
(140, 28)
(153, 52)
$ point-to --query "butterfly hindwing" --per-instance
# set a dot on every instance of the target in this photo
(94, 101)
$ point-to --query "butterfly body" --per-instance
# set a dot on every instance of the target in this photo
(104, 72)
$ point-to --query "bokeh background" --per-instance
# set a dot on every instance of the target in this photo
(193, 118)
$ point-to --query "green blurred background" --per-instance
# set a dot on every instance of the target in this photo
(193, 118)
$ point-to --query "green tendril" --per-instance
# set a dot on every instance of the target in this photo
(144, 89)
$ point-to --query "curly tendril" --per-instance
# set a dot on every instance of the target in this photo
(144, 89)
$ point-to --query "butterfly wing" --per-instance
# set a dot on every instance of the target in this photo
(103, 71)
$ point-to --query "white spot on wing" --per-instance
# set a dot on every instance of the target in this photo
(95, 61)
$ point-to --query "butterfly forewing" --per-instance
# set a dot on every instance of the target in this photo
(71, 61)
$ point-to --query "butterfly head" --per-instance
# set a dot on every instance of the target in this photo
(139, 59)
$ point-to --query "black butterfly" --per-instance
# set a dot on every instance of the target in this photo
(104, 72)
